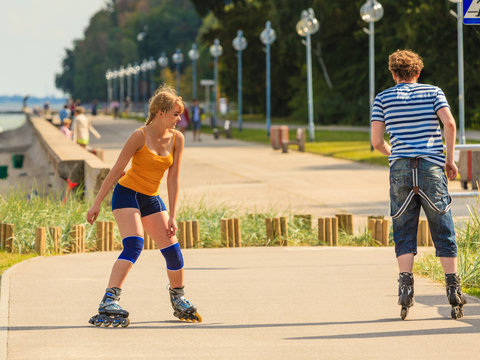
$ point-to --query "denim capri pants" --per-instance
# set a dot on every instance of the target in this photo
(416, 183)
(124, 197)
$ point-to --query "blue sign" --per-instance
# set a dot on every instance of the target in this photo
(471, 12)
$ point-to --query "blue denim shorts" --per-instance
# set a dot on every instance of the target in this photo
(430, 193)
(124, 197)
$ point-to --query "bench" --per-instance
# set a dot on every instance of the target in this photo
(299, 141)
(227, 127)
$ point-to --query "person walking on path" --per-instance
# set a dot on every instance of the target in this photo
(196, 120)
(184, 120)
(153, 148)
(82, 127)
(409, 112)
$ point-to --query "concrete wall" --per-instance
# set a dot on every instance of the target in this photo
(61, 158)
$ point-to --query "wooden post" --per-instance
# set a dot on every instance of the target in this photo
(73, 239)
(321, 230)
(196, 233)
(230, 233)
(379, 230)
(56, 235)
(9, 236)
(334, 231)
(224, 231)
(2, 236)
(109, 230)
(100, 236)
(238, 232)
(277, 231)
(372, 226)
(430, 240)
(147, 241)
(349, 223)
(422, 230)
(328, 231)
(284, 230)
(40, 240)
(385, 232)
(182, 231)
(188, 234)
(269, 228)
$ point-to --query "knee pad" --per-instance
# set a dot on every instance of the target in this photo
(132, 247)
(173, 257)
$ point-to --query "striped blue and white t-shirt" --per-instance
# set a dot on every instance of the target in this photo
(409, 112)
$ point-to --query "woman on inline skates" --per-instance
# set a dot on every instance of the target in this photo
(153, 149)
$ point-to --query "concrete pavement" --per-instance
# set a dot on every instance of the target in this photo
(257, 303)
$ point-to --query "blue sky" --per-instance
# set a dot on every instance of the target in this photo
(33, 38)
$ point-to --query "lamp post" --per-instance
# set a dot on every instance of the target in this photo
(461, 99)
(239, 44)
(130, 72)
(306, 27)
(216, 50)
(163, 63)
(177, 60)
(193, 54)
(371, 12)
(267, 37)
(121, 74)
(136, 67)
(151, 66)
(108, 76)
(144, 68)
(115, 84)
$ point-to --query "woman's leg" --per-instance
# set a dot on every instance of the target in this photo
(129, 224)
(156, 226)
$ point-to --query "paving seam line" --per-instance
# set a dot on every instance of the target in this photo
(4, 307)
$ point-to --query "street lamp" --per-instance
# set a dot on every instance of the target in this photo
(267, 37)
(163, 62)
(151, 66)
(115, 84)
(239, 44)
(307, 26)
(144, 68)
(130, 72)
(216, 50)
(371, 12)
(461, 100)
(136, 67)
(108, 76)
(177, 60)
(121, 74)
(193, 54)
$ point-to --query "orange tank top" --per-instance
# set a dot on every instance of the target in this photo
(147, 170)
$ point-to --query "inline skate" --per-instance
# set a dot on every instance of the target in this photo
(455, 295)
(405, 293)
(182, 308)
(109, 311)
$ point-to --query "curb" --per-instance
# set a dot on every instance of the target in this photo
(4, 307)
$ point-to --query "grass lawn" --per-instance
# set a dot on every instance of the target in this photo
(349, 145)
(10, 259)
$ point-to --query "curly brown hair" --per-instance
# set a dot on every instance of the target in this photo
(405, 64)
(164, 99)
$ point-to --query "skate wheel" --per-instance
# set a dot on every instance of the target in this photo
(199, 318)
(125, 322)
(403, 313)
(116, 324)
(454, 313)
(107, 323)
(98, 322)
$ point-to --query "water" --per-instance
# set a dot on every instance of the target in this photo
(11, 121)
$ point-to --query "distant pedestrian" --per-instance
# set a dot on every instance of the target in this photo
(65, 128)
(410, 113)
(184, 120)
(63, 114)
(197, 113)
(126, 106)
(93, 110)
(115, 108)
(153, 149)
(82, 127)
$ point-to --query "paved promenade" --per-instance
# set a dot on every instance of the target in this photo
(257, 303)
